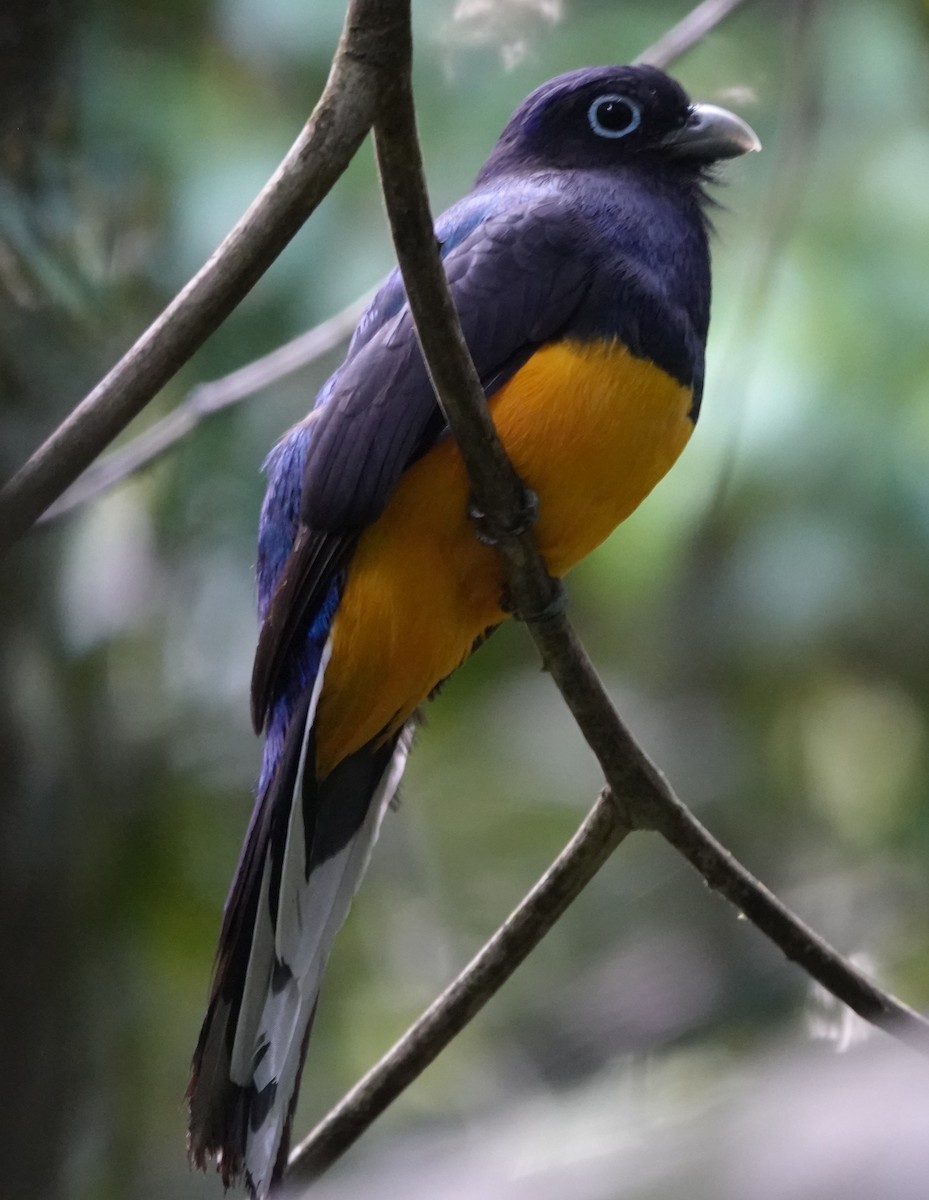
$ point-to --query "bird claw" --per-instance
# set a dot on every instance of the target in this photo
(489, 533)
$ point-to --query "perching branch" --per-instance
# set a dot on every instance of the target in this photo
(205, 400)
(641, 792)
(326, 145)
(637, 796)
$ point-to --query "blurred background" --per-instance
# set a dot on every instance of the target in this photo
(763, 623)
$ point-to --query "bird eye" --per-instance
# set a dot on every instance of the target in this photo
(614, 116)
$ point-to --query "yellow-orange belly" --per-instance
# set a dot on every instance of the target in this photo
(591, 429)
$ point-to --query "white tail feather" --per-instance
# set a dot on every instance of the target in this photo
(292, 910)
(310, 912)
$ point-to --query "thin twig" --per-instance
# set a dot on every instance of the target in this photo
(688, 32)
(637, 795)
(334, 132)
(205, 400)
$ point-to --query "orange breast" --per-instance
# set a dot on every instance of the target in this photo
(591, 429)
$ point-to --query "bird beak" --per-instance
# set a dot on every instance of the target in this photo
(711, 133)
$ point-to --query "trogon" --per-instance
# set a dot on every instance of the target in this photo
(580, 271)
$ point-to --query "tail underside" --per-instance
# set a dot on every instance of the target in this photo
(306, 849)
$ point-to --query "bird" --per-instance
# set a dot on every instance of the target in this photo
(579, 267)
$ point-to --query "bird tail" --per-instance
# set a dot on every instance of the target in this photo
(307, 846)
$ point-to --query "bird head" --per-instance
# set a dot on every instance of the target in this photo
(604, 117)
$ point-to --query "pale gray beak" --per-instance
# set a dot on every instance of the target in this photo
(711, 133)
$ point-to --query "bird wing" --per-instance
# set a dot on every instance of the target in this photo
(516, 279)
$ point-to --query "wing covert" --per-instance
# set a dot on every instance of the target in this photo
(516, 281)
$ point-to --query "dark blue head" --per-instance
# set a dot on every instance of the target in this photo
(607, 117)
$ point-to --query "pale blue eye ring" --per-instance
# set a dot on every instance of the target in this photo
(614, 116)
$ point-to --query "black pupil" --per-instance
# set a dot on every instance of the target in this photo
(614, 114)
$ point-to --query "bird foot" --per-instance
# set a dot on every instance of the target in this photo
(489, 533)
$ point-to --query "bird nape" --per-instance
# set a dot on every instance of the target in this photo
(580, 271)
